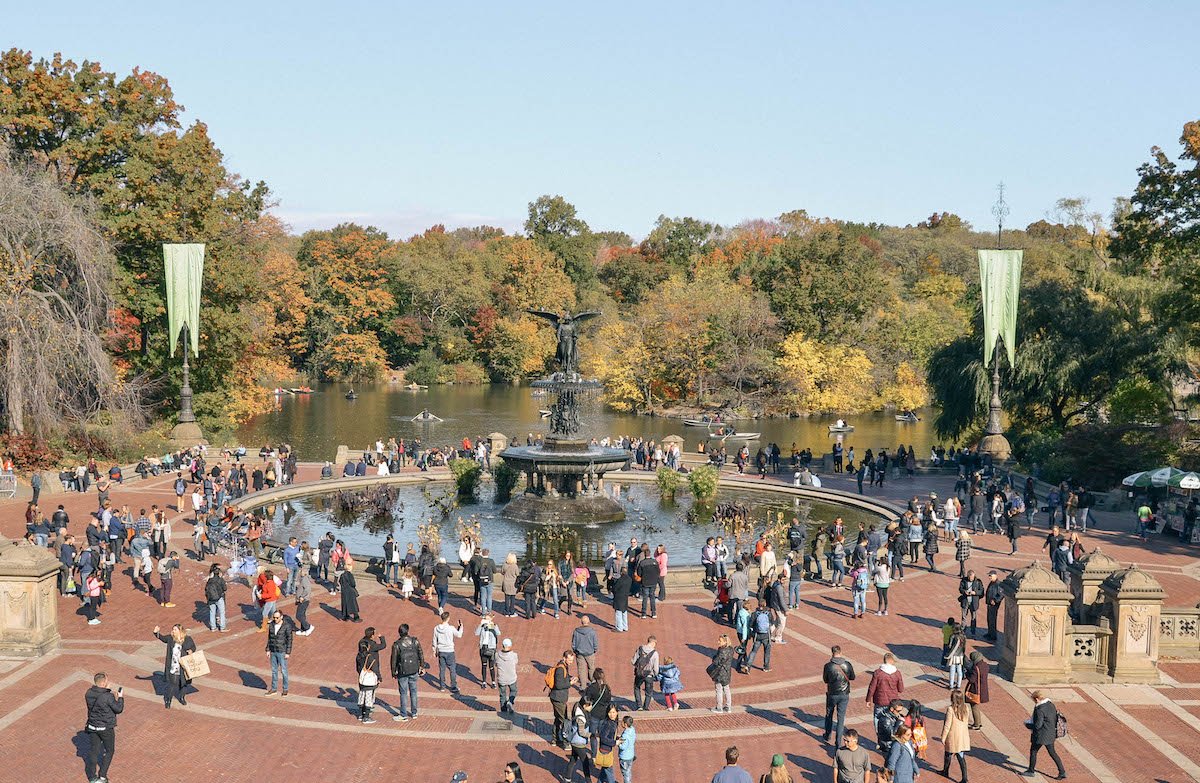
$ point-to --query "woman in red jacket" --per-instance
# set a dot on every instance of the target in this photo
(267, 592)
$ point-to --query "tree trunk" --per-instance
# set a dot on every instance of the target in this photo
(15, 402)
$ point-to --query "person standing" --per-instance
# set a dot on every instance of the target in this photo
(530, 579)
(993, 596)
(731, 772)
(970, 590)
(166, 573)
(443, 648)
(178, 644)
(585, 645)
(1043, 728)
(348, 588)
(506, 676)
(902, 757)
(559, 681)
(739, 589)
(962, 551)
(886, 686)
(621, 590)
(851, 763)
(721, 672)
(406, 664)
(976, 690)
(484, 572)
(647, 571)
(627, 749)
(303, 601)
(489, 644)
(291, 561)
(956, 739)
(366, 663)
(645, 673)
(441, 582)
(838, 674)
(759, 627)
(214, 596)
(103, 707)
(279, 649)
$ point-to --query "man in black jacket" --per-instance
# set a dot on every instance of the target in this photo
(993, 596)
(407, 663)
(102, 710)
(1043, 727)
(279, 649)
(483, 572)
(837, 675)
(558, 697)
(970, 589)
(647, 569)
(621, 588)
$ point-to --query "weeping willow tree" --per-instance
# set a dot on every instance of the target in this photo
(55, 276)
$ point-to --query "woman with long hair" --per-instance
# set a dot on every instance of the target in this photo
(721, 672)
(605, 754)
(956, 737)
(178, 644)
(778, 773)
(348, 587)
(366, 663)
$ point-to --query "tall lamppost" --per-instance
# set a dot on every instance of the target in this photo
(184, 274)
(1000, 281)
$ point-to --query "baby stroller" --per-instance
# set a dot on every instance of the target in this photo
(721, 602)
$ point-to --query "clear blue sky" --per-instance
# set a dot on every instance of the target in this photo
(403, 115)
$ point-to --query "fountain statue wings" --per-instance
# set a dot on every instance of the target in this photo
(567, 354)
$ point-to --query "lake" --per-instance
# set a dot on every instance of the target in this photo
(317, 423)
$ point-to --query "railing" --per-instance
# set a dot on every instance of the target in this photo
(1179, 632)
(1089, 649)
(8, 485)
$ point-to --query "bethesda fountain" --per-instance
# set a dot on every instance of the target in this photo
(564, 476)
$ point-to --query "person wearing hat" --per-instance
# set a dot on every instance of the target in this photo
(506, 676)
(778, 773)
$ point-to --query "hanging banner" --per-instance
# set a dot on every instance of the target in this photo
(184, 275)
(1000, 278)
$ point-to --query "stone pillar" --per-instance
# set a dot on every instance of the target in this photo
(1137, 600)
(498, 442)
(1087, 574)
(1035, 621)
(28, 600)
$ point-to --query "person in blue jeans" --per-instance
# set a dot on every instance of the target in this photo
(795, 579)
(279, 648)
(627, 748)
(291, 561)
(760, 627)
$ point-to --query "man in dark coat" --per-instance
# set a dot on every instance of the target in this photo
(993, 596)
(101, 726)
(621, 587)
(970, 590)
(647, 569)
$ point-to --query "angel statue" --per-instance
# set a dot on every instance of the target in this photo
(567, 354)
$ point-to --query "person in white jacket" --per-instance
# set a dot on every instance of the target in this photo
(444, 635)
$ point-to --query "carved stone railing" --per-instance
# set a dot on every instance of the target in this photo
(1089, 650)
(1179, 632)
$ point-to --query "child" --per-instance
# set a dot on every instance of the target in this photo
(406, 585)
(721, 603)
(916, 721)
(626, 748)
(947, 634)
(668, 678)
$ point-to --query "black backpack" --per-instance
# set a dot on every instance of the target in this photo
(410, 656)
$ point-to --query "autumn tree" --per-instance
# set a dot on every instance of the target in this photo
(824, 378)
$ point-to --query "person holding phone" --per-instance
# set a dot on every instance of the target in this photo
(103, 707)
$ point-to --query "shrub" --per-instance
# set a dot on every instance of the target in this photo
(703, 482)
(506, 477)
(668, 481)
(467, 473)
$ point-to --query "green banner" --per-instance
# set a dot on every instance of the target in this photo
(1000, 278)
(185, 275)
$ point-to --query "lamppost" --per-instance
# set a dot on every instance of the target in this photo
(184, 275)
(1000, 280)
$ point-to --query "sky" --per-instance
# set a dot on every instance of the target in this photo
(403, 115)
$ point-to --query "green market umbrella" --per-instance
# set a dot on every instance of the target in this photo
(1184, 481)
(1159, 477)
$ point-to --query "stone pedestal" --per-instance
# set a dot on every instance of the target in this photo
(185, 435)
(1136, 599)
(28, 600)
(497, 442)
(1035, 620)
(1087, 574)
(997, 446)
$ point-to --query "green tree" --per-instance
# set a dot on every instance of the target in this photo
(678, 240)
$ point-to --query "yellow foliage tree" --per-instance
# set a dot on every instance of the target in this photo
(906, 390)
(823, 378)
(353, 357)
(530, 276)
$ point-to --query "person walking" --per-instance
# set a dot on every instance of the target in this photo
(976, 690)
(970, 590)
(739, 589)
(645, 673)
(993, 596)
(851, 764)
(731, 772)
(441, 582)
(931, 546)
(721, 673)
(600, 696)
(760, 629)
(956, 654)
(902, 757)
(559, 682)
(407, 663)
(578, 739)
(585, 645)
(1043, 728)
(962, 551)
(489, 643)
(956, 739)
(266, 591)
(444, 635)
(103, 707)
(348, 588)
(506, 676)
(366, 663)
(279, 649)
(508, 575)
(882, 583)
(837, 675)
(214, 596)
(886, 686)
(178, 644)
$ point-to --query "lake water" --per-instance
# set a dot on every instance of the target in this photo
(650, 519)
(316, 424)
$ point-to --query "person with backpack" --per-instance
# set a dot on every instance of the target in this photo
(645, 673)
(741, 624)
(166, 574)
(558, 683)
(527, 583)
(214, 596)
(760, 627)
(1046, 725)
(407, 663)
(838, 674)
(647, 577)
(579, 739)
(483, 572)
(489, 642)
(860, 583)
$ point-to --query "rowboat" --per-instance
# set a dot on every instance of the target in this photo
(738, 436)
(907, 419)
(351, 395)
(425, 415)
(700, 422)
(844, 428)
(415, 386)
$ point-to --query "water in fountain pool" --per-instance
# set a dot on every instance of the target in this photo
(650, 519)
